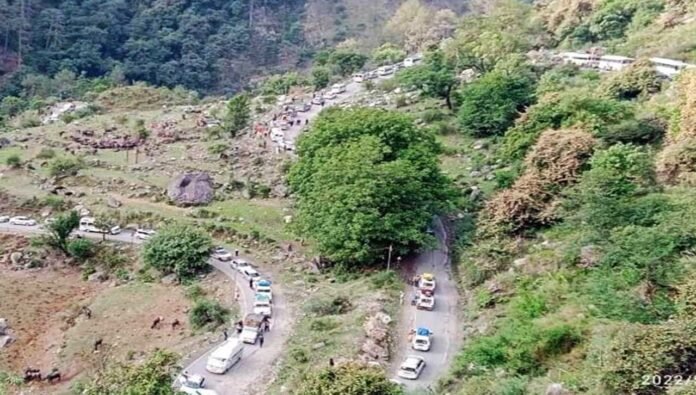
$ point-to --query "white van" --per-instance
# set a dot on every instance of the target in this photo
(87, 224)
(225, 356)
(338, 88)
(358, 77)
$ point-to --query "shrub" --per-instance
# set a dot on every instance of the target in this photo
(329, 306)
(195, 292)
(64, 167)
(323, 324)
(46, 153)
(81, 249)
(217, 149)
(640, 79)
(348, 379)
(387, 279)
(207, 313)
(635, 131)
(13, 161)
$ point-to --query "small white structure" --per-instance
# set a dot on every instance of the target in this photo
(614, 62)
(668, 67)
(579, 59)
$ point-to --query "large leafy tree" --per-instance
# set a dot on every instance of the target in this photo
(366, 179)
(60, 229)
(349, 379)
(489, 105)
(435, 77)
(178, 249)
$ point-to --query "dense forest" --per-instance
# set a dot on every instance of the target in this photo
(206, 45)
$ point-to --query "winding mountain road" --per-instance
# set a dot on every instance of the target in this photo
(442, 321)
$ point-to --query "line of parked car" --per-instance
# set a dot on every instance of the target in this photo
(86, 225)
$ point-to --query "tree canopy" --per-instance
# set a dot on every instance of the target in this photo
(366, 179)
(435, 77)
(349, 379)
(178, 249)
(238, 114)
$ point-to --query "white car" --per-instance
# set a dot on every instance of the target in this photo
(330, 95)
(22, 221)
(221, 254)
(262, 305)
(197, 391)
(384, 71)
(358, 78)
(240, 264)
(4, 218)
(338, 88)
(263, 287)
(288, 145)
(317, 100)
(250, 273)
(144, 234)
(411, 367)
(422, 339)
(426, 303)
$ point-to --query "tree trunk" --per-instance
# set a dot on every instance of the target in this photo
(448, 100)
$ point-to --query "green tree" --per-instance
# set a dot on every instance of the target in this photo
(59, 230)
(489, 105)
(347, 62)
(320, 77)
(80, 249)
(348, 379)
(208, 313)
(388, 54)
(153, 376)
(238, 114)
(366, 179)
(178, 249)
(435, 77)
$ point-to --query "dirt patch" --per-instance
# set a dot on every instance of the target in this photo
(43, 306)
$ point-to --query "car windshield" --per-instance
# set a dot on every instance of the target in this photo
(254, 274)
(408, 369)
(220, 250)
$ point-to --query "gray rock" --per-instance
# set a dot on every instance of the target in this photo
(113, 202)
(3, 326)
(319, 345)
(191, 189)
(520, 262)
(589, 255)
(556, 389)
(475, 193)
(16, 258)
(475, 174)
(169, 279)
(6, 340)
(4, 142)
(97, 277)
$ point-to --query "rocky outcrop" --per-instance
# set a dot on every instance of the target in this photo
(376, 345)
(191, 189)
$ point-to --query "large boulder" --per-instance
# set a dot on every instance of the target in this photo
(191, 189)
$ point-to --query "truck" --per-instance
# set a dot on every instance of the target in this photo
(427, 284)
(251, 328)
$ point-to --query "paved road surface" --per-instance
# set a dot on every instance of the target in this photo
(442, 320)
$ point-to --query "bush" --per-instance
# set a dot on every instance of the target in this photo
(81, 249)
(320, 77)
(640, 79)
(195, 292)
(348, 379)
(64, 167)
(178, 249)
(207, 313)
(46, 153)
(329, 306)
(323, 324)
(633, 131)
(387, 279)
(13, 161)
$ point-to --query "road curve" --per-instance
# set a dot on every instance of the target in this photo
(442, 321)
(250, 374)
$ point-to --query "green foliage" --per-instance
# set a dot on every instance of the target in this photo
(435, 77)
(640, 79)
(634, 131)
(656, 350)
(153, 376)
(195, 292)
(366, 179)
(570, 108)
(329, 306)
(65, 166)
(280, 84)
(178, 249)
(217, 149)
(13, 161)
(11, 106)
(346, 62)
(60, 229)
(238, 114)
(565, 77)
(489, 105)
(80, 249)
(613, 18)
(208, 313)
(388, 54)
(348, 379)
(387, 279)
(321, 77)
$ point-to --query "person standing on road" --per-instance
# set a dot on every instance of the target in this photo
(401, 298)
(236, 294)
(261, 341)
(236, 253)
(224, 333)
(251, 283)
